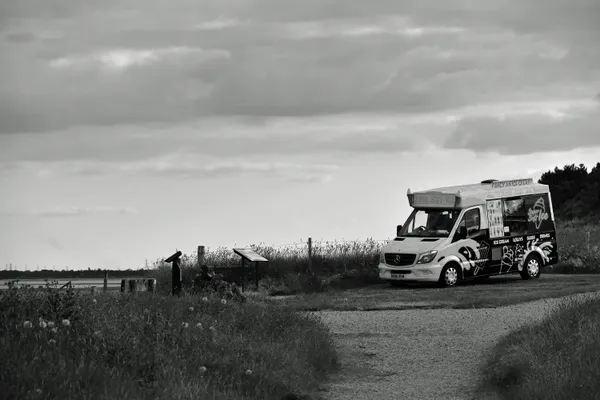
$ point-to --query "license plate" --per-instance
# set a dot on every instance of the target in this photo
(400, 276)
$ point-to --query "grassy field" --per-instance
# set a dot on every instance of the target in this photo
(555, 359)
(71, 345)
(495, 292)
(354, 263)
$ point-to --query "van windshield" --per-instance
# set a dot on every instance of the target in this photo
(428, 223)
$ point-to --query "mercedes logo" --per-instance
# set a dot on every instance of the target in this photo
(397, 259)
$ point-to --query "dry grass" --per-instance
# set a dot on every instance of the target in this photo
(149, 346)
(351, 264)
(555, 359)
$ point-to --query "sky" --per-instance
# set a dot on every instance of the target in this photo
(130, 129)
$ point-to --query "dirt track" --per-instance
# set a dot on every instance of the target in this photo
(419, 354)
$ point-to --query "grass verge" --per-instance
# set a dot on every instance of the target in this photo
(554, 359)
(69, 345)
(494, 292)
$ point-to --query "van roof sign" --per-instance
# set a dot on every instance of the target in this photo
(433, 200)
(512, 183)
(473, 194)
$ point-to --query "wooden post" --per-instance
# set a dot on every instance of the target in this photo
(176, 272)
(310, 270)
(105, 280)
(243, 274)
(256, 274)
(200, 256)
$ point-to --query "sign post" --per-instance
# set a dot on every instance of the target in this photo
(250, 256)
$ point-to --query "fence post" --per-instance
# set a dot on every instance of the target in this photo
(588, 240)
(310, 269)
(200, 256)
(105, 288)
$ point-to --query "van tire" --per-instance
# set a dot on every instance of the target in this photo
(532, 267)
(450, 275)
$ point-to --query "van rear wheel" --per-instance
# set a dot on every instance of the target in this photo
(532, 267)
(450, 275)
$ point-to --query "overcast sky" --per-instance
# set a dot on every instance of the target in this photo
(131, 128)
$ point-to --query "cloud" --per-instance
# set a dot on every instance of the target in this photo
(180, 167)
(526, 134)
(80, 211)
(87, 64)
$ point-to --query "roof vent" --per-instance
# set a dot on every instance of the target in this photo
(488, 181)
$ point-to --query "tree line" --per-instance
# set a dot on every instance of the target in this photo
(575, 192)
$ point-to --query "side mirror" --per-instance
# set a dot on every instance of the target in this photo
(398, 229)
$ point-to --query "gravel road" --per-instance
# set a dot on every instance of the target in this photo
(419, 354)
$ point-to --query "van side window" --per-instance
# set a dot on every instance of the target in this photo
(515, 216)
(471, 221)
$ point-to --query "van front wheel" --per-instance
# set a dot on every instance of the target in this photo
(450, 275)
(532, 267)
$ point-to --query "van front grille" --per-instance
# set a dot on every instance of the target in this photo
(400, 259)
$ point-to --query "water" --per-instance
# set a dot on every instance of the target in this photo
(77, 283)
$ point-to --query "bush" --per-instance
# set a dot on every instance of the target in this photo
(69, 345)
(554, 359)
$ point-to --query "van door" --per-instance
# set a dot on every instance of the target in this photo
(474, 249)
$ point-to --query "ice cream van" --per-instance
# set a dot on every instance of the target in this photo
(473, 232)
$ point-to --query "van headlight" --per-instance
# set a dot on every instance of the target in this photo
(382, 257)
(428, 257)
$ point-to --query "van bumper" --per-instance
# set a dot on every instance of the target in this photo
(417, 273)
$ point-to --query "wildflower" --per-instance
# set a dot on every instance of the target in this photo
(202, 370)
(43, 324)
(66, 322)
(184, 325)
(38, 391)
(223, 301)
(248, 372)
(146, 311)
(54, 330)
(51, 341)
(50, 324)
(191, 308)
(27, 324)
(94, 301)
(199, 325)
(205, 299)
(97, 333)
(213, 329)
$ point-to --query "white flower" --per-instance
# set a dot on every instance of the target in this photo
(146, 311)
(184, 325)
(27, 324)
(50, 324)
(191, 308)
(202, 370)
(38, 391)
(97, 333)
(199, 325)
(213, 329)
(248, 372)
(51, 341)
(54, 330)
(205, 299)
(94, 301)
(223, 301)
(66, 322)
(43, 324)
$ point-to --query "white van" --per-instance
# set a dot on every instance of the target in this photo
(473, 231)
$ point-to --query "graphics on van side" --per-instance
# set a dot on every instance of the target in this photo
(537, 214)
(473, 255)
(516, 254)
